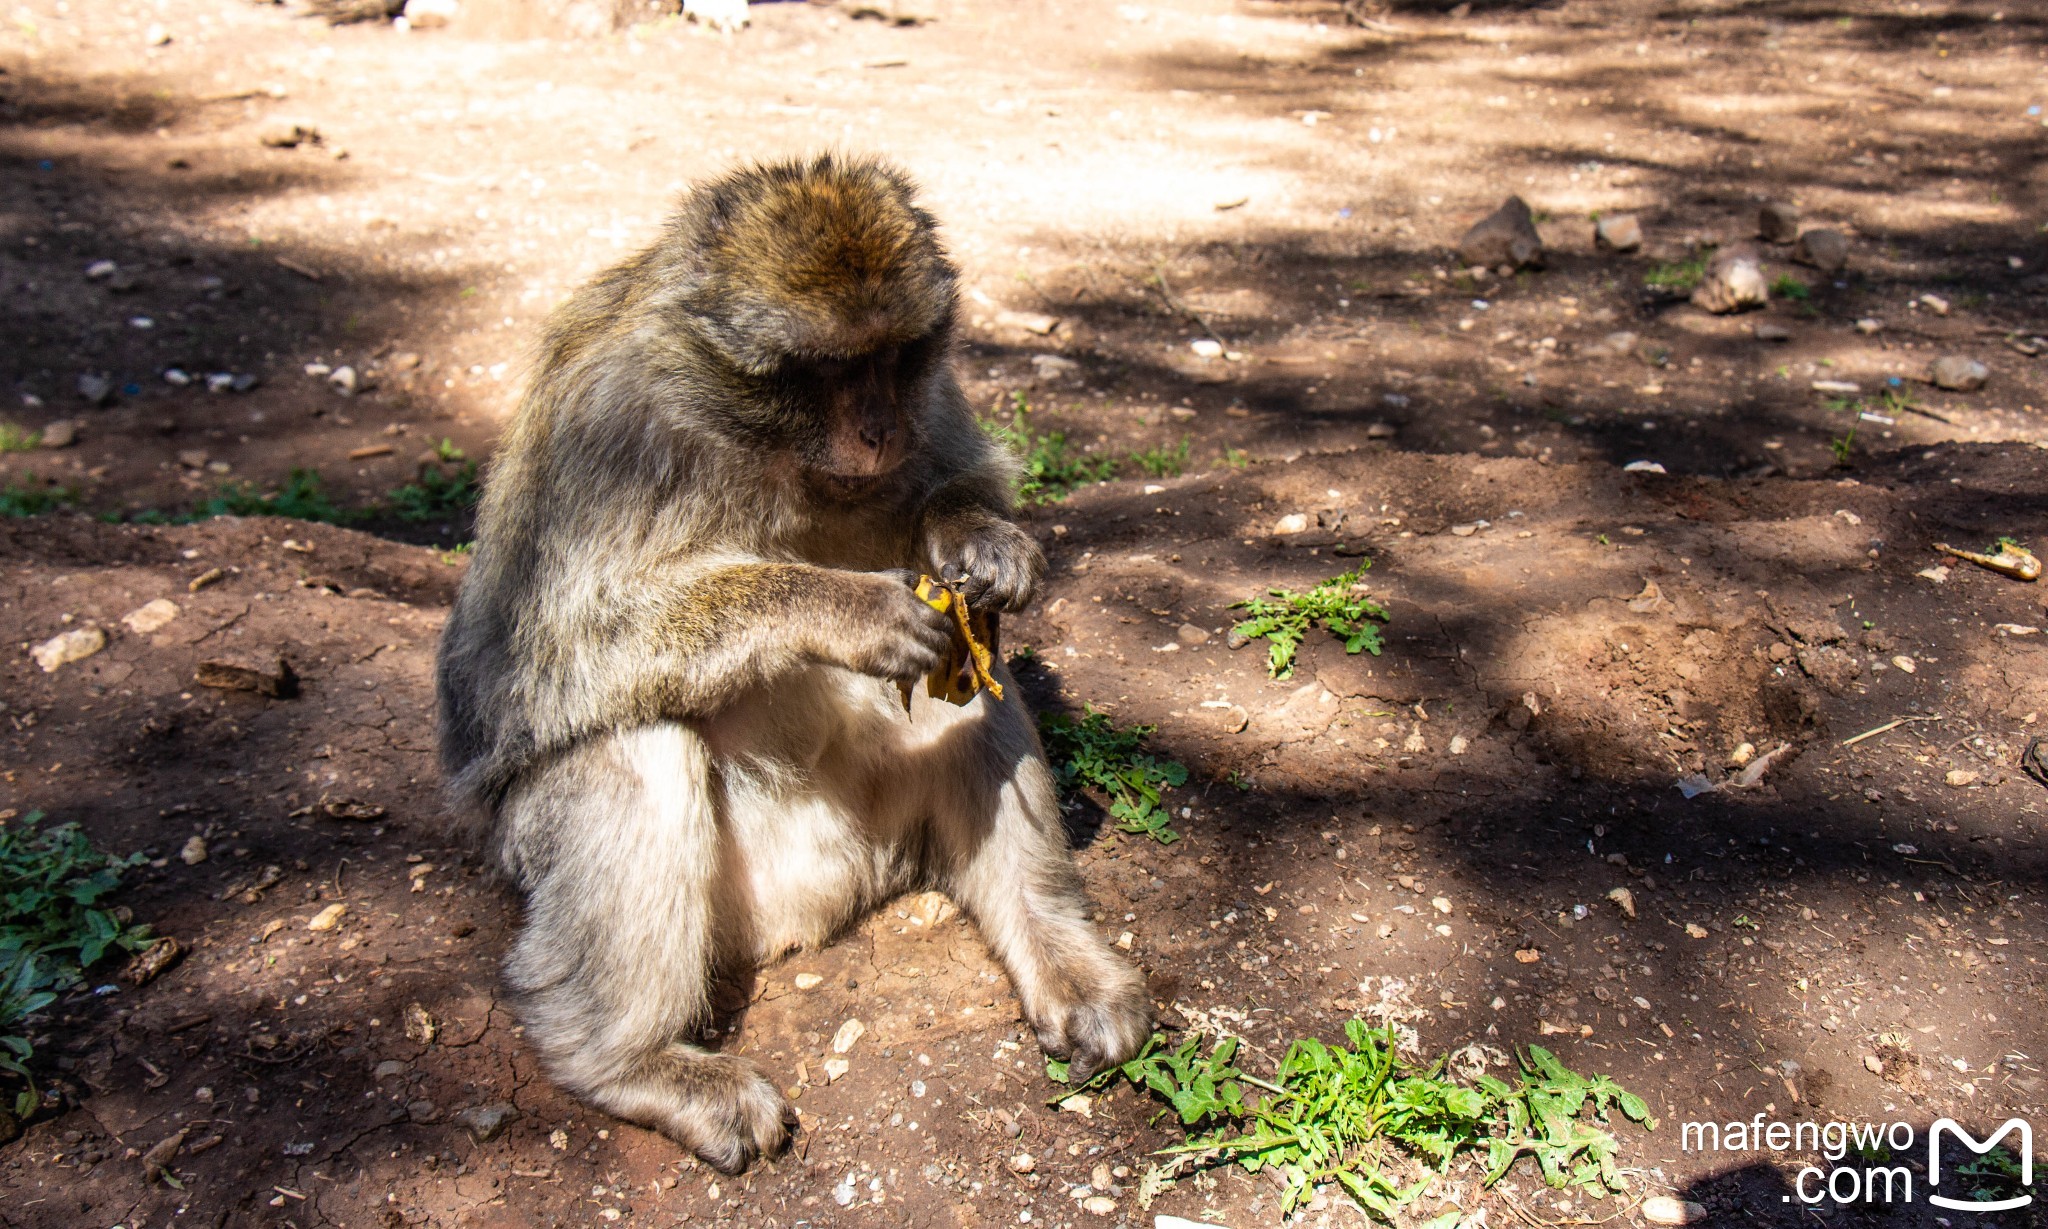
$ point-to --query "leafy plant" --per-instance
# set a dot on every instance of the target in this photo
(18, 439)
(299, 498)
(1052, 467)
(1236, 458)
(34, 499)
(447, 451)
(53, 926)
(1339, 605)
(436, 494)
(1362, 1117)
(1164, 462)
(1785, 286)
(1844, 447)
(1093, 752)
(1678, 277)
(1992, 1176)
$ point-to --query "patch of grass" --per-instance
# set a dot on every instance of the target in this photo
(1383, 1129)
(457, 553)
(32, 498)
(1339, 605)
(436, 494)
(54, 925)
(1164, 462)
(1678, 277)
(1093, 752)
(18, 439)
(1900, 400)
(1236, 458)
(1788, 287)
(1052, 467)
(300, 498)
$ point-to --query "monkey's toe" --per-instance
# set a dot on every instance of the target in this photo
(729, 1113)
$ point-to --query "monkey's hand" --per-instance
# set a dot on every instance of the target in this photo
(995, 564)
(886, 630)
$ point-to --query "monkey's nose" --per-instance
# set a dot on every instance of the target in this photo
(877, 435)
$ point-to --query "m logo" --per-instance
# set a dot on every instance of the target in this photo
(2025, 1148)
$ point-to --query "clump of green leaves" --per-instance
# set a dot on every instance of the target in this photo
(1361, 1116)
(1339, 605)
(1093, 753)
(34, 498)
(1785, 286)
(436, 494)
(1052, 466)
(54, 925)
(18, 439)
(300, 498)
(1164, 462)
(1678, 277)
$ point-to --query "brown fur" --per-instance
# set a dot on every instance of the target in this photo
(667, 686)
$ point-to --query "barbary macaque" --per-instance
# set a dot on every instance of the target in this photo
(669, 685)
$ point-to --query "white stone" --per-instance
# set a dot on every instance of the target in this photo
(150, 616)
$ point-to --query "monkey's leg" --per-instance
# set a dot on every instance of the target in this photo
(618, 848)
(1001, 852)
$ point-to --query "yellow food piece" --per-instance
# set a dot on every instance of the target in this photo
(2013, 561)
(970, 665)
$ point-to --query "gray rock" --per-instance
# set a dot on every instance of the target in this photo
(1734, 281)
(95, 388)
(1614, 345)
(1822, 249)
(60, 434)
(1958, 374)
(1506, 237)
(1771, 330)
(1778, 222)
(1619, 232)
(487, 1122)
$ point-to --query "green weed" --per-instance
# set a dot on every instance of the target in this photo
(1788, 287)
(1678, 277)
(299, 498)
(436, 494)
(1093, 752)
(1339, 605)
(1236, 458)
(447, 451)
(32, 498)
(18, 439)
(54, 925)
(1164, 462)
(1844, 447)
(457, 553)
(1349, 1114)
(1052, 467)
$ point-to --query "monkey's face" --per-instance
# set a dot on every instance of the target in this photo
(850, 421)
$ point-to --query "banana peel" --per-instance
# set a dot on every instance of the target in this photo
(2014, 561)
(969, 665)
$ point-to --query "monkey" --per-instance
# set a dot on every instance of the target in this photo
(668, 685)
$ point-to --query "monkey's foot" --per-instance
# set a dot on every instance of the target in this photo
(718, 1106)
(1100, 1032)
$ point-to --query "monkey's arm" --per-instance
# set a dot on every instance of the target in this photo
(965, 530)
(693, 645)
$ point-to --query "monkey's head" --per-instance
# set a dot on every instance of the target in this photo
(822, 288)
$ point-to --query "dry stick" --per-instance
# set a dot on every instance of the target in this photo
(1180, 305)
(1886, 728)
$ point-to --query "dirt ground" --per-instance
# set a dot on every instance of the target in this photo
(1854, 935)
